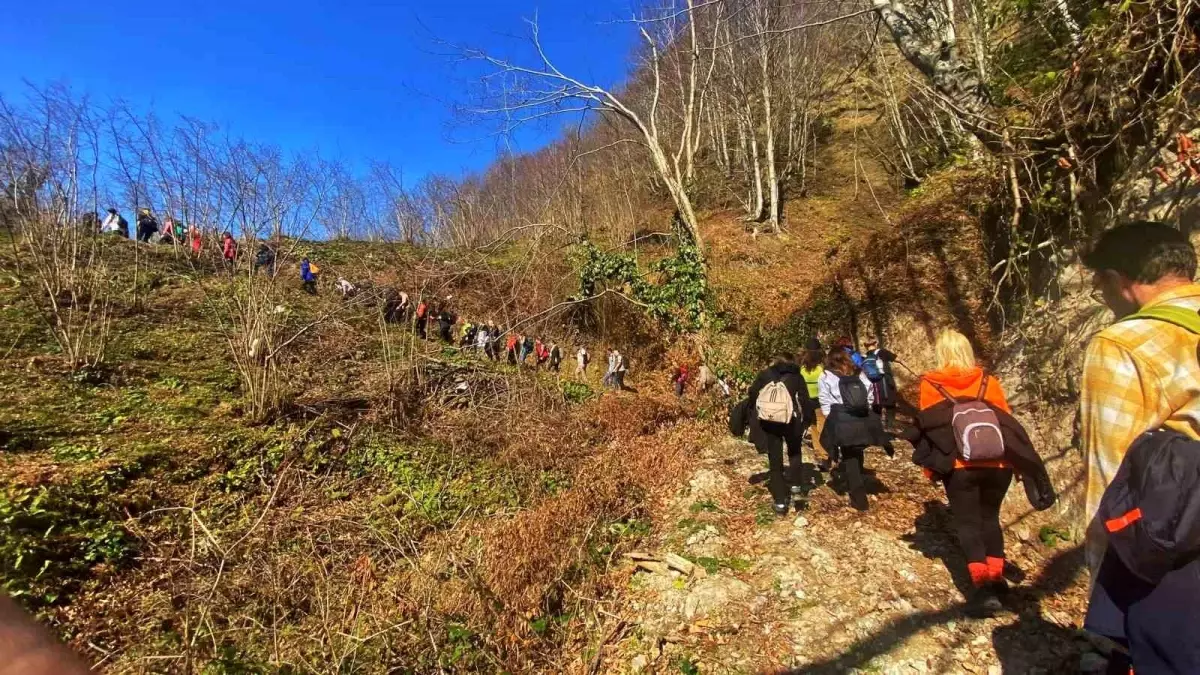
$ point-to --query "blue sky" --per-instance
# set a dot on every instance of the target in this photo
(358, 80)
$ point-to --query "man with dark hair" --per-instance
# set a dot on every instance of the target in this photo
(1140, 374)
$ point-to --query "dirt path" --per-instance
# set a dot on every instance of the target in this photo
(829, 590)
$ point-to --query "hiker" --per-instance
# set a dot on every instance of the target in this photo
(704, 378)
(977, 474)
(526, 348)
(422, 316)
(492, 343)
(228, 248)
(172, 231)
(811, 368)
(265, 257)
(847, 345)
(1140, 412)
(877, 364)
(147, 226)
(446, 324)
(582, 359)
(401, 310)
(845, 396)
(510, 348)
(774, 408)
(610, 374)
(483, 338)
(346, 288)
(114, 223)
(195, 238)
(679, 380)
(542, 351)
(469, 334)
(555, 357)
(308, 276)
(621, 371)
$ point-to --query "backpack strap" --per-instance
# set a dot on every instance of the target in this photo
(983, 386)
(1172, 314)
(941, 390)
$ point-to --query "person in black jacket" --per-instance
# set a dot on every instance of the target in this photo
(770, 437)
(975, 488)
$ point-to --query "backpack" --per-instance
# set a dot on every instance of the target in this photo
(977, 434)
(854, 395)
(775, 404)
(1151, 509)
(870, 366)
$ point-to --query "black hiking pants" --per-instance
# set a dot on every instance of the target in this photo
(975, 497)
(781, 478)
(421, 328)
(851, 466)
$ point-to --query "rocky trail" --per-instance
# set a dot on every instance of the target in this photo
(829, 590)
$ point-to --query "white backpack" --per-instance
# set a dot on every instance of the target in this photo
(775, 404)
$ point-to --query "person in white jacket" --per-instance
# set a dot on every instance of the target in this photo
(849, 429)
(829, 390)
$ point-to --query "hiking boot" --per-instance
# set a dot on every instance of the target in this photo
(781, 510)
(983, 603)
(999, 588)
(859, 502)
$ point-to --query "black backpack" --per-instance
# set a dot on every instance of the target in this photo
(854, 395)
(1151, 509)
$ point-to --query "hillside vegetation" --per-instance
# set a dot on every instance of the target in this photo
(206, 469)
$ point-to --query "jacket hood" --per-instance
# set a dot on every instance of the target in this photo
(956, 378)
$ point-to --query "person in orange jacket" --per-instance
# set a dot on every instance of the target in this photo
(975, 489)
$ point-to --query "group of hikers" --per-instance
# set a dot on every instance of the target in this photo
(171, 231)
(1139, 417)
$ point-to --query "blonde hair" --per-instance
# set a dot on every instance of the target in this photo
(953, 350)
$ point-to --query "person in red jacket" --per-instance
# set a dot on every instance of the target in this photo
(680, 380)
(975, 489)
(422, 318)
(228, 248)
(510, 348)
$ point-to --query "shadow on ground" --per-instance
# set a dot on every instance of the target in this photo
(1029, 644)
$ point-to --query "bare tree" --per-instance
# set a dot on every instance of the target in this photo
(674, 61)
(50, 155)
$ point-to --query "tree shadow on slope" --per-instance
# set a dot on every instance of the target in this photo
(1028, 644)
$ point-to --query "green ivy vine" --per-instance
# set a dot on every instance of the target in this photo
(674, 291)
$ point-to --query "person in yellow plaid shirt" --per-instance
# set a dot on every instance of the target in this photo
(1141, 374)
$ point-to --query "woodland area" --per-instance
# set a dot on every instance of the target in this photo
(206, 471)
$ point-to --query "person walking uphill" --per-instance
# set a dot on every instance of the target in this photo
(811, 368)
(775, 405)
(680, 379)
(845, 396)
(979, 476)
(582, 359)
(147, 226)
(308, 276)
(422, 317)
(1140, 400)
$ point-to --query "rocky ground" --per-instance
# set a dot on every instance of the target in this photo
(829, 590)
